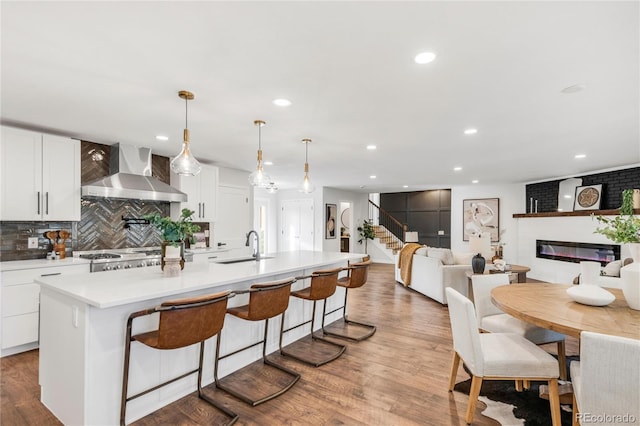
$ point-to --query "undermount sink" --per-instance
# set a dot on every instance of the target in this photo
(243, 259)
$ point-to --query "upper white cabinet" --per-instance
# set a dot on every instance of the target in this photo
(202, 193)
(40, 177)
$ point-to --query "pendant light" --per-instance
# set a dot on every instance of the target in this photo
(258, 177)
(272, 188)
(185, 164)
(307, 186)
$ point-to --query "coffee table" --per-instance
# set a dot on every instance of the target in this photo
(518, 270)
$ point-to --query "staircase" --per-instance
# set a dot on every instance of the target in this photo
(386, 238)
(389, 235)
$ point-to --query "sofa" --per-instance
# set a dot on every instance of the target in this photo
(434, 269)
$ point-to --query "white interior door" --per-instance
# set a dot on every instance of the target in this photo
(297, 225)
(234, 217)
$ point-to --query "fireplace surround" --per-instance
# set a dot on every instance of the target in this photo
(567, 251)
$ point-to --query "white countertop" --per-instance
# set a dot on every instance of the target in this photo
(15, 265)
(114, 288)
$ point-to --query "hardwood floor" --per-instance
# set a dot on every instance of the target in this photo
(397, 377)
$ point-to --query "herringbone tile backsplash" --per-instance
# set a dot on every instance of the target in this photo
(102, 226)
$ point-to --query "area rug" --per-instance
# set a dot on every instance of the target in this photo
(512, 408)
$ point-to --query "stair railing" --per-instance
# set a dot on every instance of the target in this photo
(392, 227)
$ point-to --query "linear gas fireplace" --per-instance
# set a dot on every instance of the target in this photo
(566, 251)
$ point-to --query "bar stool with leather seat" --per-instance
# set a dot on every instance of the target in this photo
(182, 323)
(323, 285)
(266, 300)
(356, 277)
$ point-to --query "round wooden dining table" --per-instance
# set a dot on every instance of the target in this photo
(549, 306)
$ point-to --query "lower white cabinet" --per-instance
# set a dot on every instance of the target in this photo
(21, 305)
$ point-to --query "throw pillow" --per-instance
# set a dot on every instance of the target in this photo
(612, 269)
(445, 255)
(422, 251)
(463, 258)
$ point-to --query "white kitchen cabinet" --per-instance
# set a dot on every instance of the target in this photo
(40, 177)
(21, 303)
(202, 193)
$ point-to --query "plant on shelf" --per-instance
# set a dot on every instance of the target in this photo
(174, 231)
(624, 228)
(367, 232)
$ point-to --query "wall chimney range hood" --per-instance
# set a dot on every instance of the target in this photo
(130, 178)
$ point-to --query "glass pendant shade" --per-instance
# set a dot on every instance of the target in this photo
(185, 164)
(258, 177)
(307, 186)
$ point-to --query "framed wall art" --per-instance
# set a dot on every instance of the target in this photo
(587, 197)
(331, 210)
(481, 215)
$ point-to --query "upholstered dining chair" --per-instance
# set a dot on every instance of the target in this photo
(492, 320)
(496, 356)
(606, 380)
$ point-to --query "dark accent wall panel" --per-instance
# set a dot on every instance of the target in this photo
(613, 183)
(95, 160)
(160, 168)
(426, 212)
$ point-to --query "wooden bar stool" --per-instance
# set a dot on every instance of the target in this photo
(182, 323)
(357, 277)
(266, 300)
(323, 285)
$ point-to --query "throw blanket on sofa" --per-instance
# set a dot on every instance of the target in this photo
(405, 260)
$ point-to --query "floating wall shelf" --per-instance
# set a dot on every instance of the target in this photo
(613, 212)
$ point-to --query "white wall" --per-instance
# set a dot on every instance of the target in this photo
(511, 201)
(359, 211)
(569, 228)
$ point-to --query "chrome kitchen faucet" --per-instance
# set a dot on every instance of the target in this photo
(256, 248)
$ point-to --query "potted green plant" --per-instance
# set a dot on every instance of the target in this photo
(174, 232)
(625, 229)
(367, 232)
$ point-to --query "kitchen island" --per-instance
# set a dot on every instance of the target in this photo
(82, 332)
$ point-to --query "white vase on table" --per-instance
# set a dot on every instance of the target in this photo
(630, 276)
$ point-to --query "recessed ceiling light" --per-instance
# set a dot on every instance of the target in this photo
(405, 186)
(567, 196)
(578, 156)
(471, 131)
(282, 102)
(424, 57)
(268, 163)
(457, 169)
(573, 89)
(475, 181)
(162, 138)
(371, 147)
(372, 177)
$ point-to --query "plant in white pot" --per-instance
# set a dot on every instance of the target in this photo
(174, 233)
(366, 232)
(625, 229)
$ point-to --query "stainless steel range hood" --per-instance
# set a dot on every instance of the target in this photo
(131, 178)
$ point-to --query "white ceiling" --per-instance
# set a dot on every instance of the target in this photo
(110, 72)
